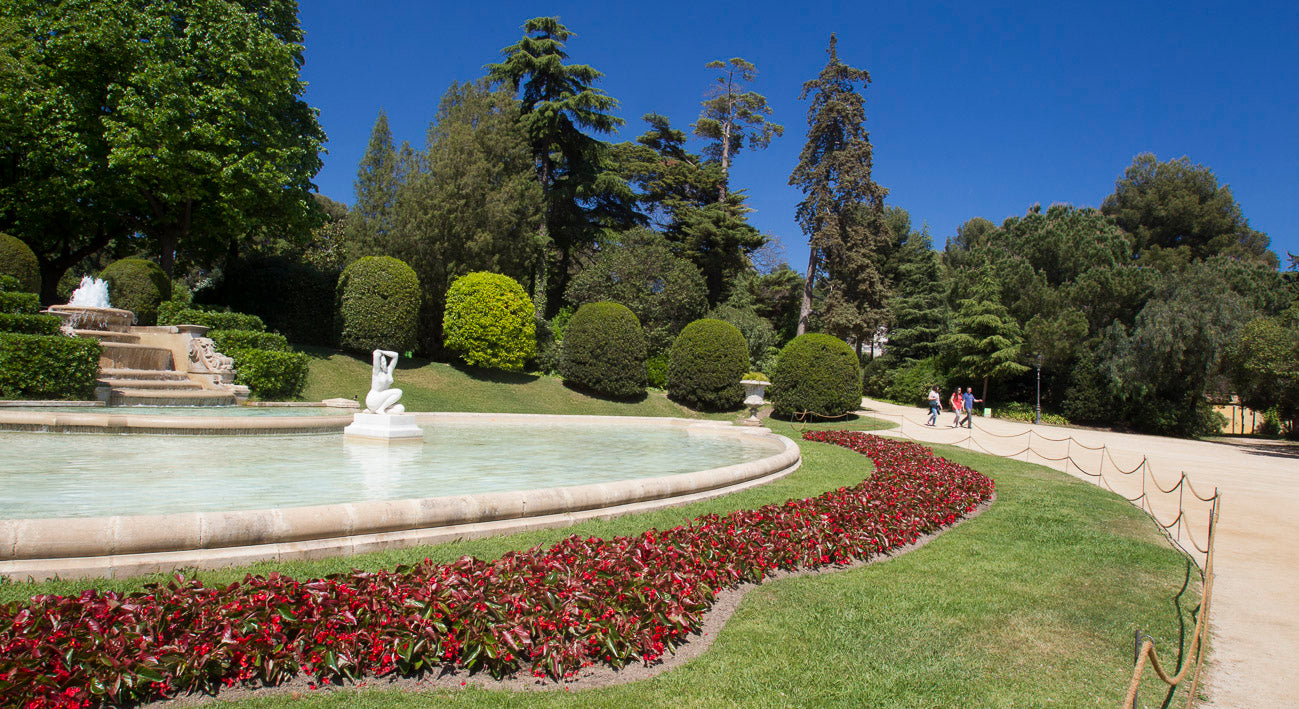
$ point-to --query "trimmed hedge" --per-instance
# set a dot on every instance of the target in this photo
(177, 313)
(378, 305)
(138, 286)
(18, 260)
(20, 303)
(45, 367)
(657, 370)
(30, 324)
(816, 374)
(229, 340)
(604, 351)
(271, 375)
(490, 322)
(708, 360)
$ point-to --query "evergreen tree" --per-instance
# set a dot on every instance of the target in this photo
(732, 116)
(370, 221)
(985, 340)
(678, 190)
(582, 196)
(843, 209)
(917, 312)
(473, 204)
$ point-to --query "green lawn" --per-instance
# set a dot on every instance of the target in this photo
(1031, 604)
(434, 386)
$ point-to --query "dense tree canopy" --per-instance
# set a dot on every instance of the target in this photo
(733, 117)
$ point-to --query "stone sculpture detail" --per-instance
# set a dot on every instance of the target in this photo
(202, 350)
(382, 398)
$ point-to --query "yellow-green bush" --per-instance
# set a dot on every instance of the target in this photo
(490, 322)
(138, 286)
(818, 375)
(378, 305)
(270, 375)
(708, 360)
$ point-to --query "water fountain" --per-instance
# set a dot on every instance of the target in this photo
(90, 310)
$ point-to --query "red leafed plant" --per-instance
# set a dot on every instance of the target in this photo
(547, 611)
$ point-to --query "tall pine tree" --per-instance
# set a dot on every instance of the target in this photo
(843, 209)
(582, 197)
(733, 116)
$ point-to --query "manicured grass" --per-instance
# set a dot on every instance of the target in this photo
(435, 386)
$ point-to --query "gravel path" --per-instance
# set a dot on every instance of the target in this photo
(1254, 622)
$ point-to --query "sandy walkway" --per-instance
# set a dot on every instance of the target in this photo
(1255, 614)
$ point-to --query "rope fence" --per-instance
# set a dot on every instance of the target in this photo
(1135, 482)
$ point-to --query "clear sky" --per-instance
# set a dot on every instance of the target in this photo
(974, 109)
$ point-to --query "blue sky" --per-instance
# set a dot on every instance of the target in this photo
(974, 109)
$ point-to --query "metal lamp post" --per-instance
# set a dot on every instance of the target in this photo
(1037, 413)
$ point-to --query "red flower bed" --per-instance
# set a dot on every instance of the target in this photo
(546, 611)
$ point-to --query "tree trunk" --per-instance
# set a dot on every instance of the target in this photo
(726, 159)
(805, 310)
(985, 392)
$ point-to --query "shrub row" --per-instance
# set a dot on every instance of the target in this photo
(19, 261)
(548, 612)
(229, 340)
(708, 360)
(270, 374)
(139, 286)
(19, 303)
(816, 375)
(30, 324)
(490, 322)
(604, 351)
(378, 300)
(177, 313)
(44, 367)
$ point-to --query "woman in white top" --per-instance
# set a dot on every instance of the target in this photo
(935, 405)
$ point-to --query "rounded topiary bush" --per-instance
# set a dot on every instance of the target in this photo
(818, 375)
(18, 260)
(378, 305)
(708, 360)
(138, 286)
(604, 351)
(490, 322)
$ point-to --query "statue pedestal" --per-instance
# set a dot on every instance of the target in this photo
(384, 428)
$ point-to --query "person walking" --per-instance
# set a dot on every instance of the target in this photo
(935, 405)
(957, 403)
(968, 401)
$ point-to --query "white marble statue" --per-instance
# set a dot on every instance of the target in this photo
(382, 398)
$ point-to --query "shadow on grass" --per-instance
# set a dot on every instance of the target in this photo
(636, 399)
(495, 376)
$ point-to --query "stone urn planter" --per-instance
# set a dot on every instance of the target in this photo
(754, 390)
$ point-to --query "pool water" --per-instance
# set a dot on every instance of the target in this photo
(222, 411)
(91, 475)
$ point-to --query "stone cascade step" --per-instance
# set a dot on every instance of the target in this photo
(128, 355)
(130, 396)
(109, 336)
(154, 384)
(143, 374)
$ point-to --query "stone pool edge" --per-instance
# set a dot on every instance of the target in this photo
(133, 545)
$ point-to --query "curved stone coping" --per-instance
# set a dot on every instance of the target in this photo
(115, 422)
(127, 545)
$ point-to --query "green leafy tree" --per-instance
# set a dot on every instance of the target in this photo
(370, 222)
(678, 191)
(471, 201)
(1263, 362)
(843, 208)
(984, 342)
(1179, 206)
(180, 121)
(918, 313)
(664, 291)
(733, 117)
(581, 194)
